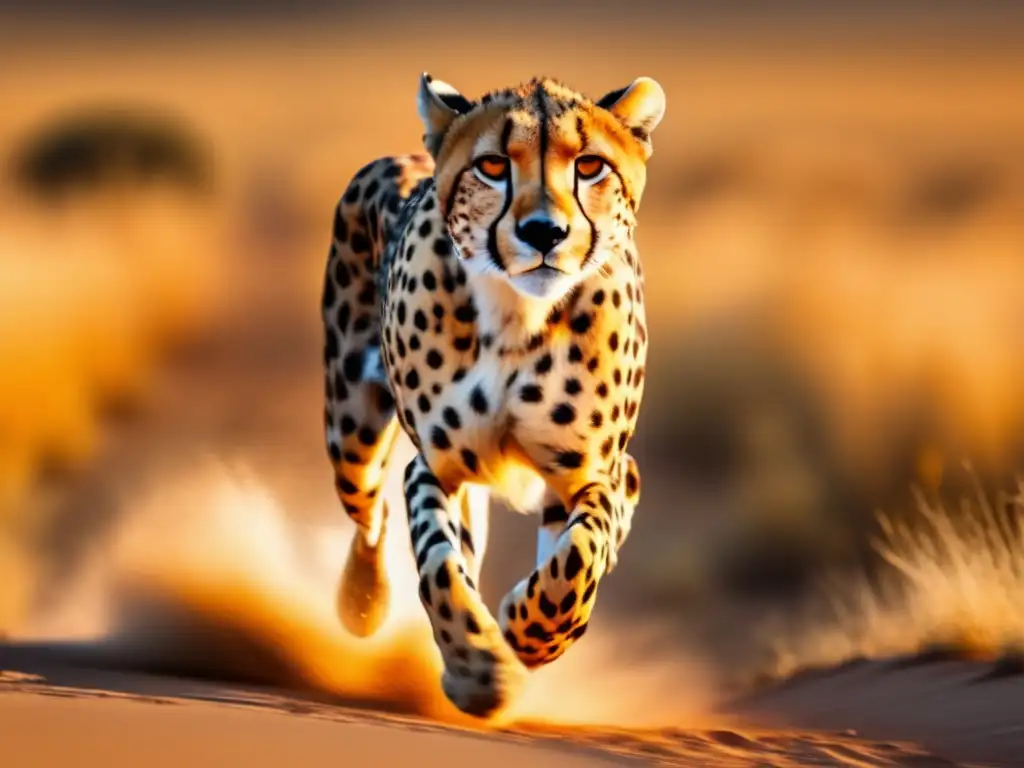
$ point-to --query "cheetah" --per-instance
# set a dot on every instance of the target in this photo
(486, 298)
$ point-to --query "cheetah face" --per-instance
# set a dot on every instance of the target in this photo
(538, 185)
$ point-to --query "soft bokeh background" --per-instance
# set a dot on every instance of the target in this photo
(833, 236)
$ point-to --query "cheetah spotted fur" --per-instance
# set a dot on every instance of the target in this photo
(487, 299)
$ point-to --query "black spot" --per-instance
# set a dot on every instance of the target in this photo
(352, 366)
(442, 247)
(573, 387)
(341, 274)
(425, 228)
(367, 436)
(613, 342)
(602, 390)
(330, 346)
(348, 425)
(412, 379)
(429, 281)
(443, 578)
(471, 625)
(469, 459)
(531, 393)
(563, 413)
(575, 354)
(463, 343)
(466, 313)
(535, 631)
(385, 401)
(335, 450)
(531, 585)
(344, 314)
(573, 563)
(425, 590)
(477, 400)
(440, 439)
(359, 243)
(434, 359)
(424, 403)
(569, 459)
(598, 297)
(451, 418)
(581, 323)
(401, 312)
(568, 602)
(589, 593)
(368, 295)
(329, 295)
(345, 485)
(446, 613)
(420, 320)
(596, 419)
(544, 364)
(547, 607)
(577, 633)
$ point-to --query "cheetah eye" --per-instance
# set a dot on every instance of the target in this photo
(591, 168)
(493, 167)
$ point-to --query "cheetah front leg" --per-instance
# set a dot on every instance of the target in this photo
(481, 673)
(547, 612)
(473, 530)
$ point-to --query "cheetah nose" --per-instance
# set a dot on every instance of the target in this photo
(541, 233)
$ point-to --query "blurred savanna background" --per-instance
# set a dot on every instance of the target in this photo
(833, 237)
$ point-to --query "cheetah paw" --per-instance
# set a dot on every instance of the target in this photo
(364, 595)
(482, 675)
(484, 685)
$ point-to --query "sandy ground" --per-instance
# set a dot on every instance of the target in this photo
(55, 709)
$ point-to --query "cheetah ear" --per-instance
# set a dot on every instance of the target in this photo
(640, 106)
(439, 104)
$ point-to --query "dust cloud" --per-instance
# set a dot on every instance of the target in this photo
(209, 577)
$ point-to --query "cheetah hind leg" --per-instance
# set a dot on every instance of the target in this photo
(364, 595)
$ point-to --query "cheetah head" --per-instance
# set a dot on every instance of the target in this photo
(538, 185)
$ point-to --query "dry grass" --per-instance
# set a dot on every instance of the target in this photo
(956, 585)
